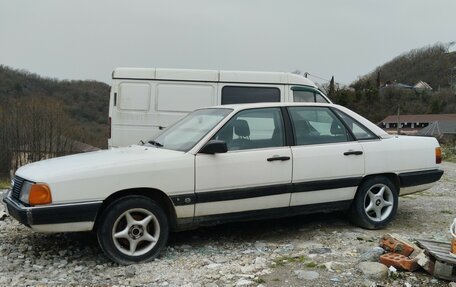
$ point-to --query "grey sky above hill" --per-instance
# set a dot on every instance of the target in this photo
(86, 39)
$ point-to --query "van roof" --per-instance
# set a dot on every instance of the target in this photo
(211, 76)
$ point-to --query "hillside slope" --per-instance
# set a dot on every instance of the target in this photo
(85, 102)
(430, 64)
(369, 97)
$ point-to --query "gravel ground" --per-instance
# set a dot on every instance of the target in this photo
(317, 250)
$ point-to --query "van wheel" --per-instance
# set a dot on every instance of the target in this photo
(133, 229)
(375, 203)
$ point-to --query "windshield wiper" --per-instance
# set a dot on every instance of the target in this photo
(157, 144)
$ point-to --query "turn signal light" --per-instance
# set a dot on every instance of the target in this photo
(438, 155)
(40, 194)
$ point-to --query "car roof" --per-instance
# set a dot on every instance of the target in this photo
(239, 107)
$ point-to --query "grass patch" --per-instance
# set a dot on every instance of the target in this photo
(259, 280)
(282, 260)
(5, 183)
(449, 152)
(311, 264)
(446, 211)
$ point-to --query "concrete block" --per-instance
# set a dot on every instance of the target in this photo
(425, 262)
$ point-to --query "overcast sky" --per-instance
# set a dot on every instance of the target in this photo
(87, 39)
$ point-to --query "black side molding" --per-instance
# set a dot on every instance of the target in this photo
(420, 177)
(259, 191)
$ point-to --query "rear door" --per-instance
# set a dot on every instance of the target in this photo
(328, 164)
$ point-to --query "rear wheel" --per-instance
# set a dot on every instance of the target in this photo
(133, 229)
(375, 203)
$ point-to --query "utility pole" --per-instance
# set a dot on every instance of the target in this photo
(398, 115)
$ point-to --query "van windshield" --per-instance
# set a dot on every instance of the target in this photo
(186, 133)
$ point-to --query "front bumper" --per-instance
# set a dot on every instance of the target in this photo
(51, 214)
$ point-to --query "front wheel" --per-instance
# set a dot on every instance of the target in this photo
(375, 203)
(133, 229)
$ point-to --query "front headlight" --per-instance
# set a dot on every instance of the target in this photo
(25, 191)
(35, 193)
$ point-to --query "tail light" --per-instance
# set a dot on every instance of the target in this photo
(109, 128)
(438, 155)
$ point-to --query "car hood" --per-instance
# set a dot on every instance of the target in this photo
(92, 162)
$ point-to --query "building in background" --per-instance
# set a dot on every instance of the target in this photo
(412, 124)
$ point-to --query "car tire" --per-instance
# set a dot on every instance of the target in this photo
(375, 203)
(132, 229)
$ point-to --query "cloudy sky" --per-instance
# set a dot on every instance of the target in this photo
(87, 39)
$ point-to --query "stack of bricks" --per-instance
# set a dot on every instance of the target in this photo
(403, 254)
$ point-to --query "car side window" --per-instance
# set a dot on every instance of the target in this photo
(317, 125)
(303, 96)
(307, 95)
(319, 98)
(359, 131)
(252, 129)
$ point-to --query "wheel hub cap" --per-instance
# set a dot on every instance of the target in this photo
(136, 231)
(379, 202)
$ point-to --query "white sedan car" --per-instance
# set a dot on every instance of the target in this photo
(226, 163)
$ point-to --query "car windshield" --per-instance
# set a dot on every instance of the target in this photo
(184, 134)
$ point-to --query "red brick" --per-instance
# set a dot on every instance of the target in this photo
(399, 261)
(397, 245)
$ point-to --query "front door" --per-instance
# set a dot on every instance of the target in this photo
(255, 173)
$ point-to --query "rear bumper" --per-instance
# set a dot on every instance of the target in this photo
(53, 218)
(416, 178)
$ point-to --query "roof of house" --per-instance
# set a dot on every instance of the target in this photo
(422, 86)
(419, 118)
(82, 147)
(62, 144)
(439, 128)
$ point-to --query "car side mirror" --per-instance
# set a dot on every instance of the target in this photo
(214, 146)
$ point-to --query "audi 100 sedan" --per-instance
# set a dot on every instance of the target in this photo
(226, 163)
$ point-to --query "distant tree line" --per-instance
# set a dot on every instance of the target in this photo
(86, 102)
(370, 97)
(33, 129)
(42, 117)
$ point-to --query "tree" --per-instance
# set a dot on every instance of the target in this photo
(332, 88)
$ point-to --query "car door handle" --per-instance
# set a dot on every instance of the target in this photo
(282, 158)
(355, 152)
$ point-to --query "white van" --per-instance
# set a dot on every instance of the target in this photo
(144, 101)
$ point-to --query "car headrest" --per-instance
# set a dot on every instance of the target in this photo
(336, 129)
(302, 127)
(241, 128)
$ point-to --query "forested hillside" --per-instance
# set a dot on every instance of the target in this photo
(85, 102)
(42, 117)
(372, 98)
